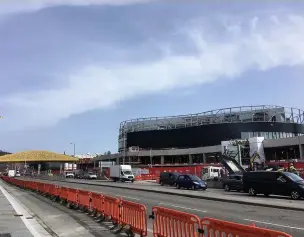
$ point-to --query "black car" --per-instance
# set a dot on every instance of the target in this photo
(233, 182)
(273, 182)
(79, 176)
(168, 178)
(190, 182)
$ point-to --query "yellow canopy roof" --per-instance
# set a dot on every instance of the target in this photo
(41, 156)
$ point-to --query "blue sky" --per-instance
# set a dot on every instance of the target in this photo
(72, 70)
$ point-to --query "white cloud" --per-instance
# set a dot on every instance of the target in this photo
(260, 46)
(12, 6)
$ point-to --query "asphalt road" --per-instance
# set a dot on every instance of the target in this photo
(287, 221)
(211, 194)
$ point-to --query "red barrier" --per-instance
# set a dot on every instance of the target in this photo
(63, 193)
(40, 187)
(47, 188)
(111, 208)
(54, 190)
(213, 227)
(97, 202)
(72, 196)
(169, 223)
(84, 199)
(134, 215)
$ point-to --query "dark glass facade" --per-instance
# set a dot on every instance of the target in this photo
(210, 135)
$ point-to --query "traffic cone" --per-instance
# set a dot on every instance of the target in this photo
(253, 225)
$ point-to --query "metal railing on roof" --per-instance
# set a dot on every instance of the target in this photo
(241, 114)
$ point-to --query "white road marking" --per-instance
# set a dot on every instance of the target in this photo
(133, 198)
(31, 224)
(149, 230)
(186, 208)
(267, 223)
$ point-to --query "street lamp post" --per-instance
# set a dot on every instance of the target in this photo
(74, 146)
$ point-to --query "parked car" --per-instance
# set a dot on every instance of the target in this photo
(233, 182)
(190, 182)
(90, 175)
(273, 182)
(69, 175)
(168, 178)
(79, 176)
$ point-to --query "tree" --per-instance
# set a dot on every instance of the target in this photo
(108, 153)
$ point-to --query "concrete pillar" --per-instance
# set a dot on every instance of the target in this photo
(162, 160)
(117, 160)
(204, 158)
(190, 159)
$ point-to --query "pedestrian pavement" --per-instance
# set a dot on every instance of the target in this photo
(10, 221)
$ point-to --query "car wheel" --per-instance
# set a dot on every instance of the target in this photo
(227, 188)
(177, 186)
(295, 195)
(193, 187)
(252, 192)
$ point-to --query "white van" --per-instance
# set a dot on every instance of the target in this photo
(11, 173)
(211, 172)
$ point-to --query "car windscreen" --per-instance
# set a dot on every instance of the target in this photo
(128, 172)
(194, 178)
(294, 177)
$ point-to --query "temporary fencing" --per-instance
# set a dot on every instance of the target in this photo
(172, 223)
(72, 197)
(132, 217)
(84, 199)
(213, 227)
(111, 208)
(97, 203)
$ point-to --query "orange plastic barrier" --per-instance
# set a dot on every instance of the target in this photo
(111, 208)
(47, 188)
(213, 227)
(63, 193)
(72, 196)
(54, 190)
(84, 199)
(33, 185)
(169, 223)
(134, 215)
(97, 202)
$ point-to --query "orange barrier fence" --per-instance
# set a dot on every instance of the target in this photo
(166, 222)
(54, 190)
(111, 208)
(72, 197)
(135, 215)
(97, 203)
(213, 227)
(145, 177)
(63, 193)
(84, 199)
